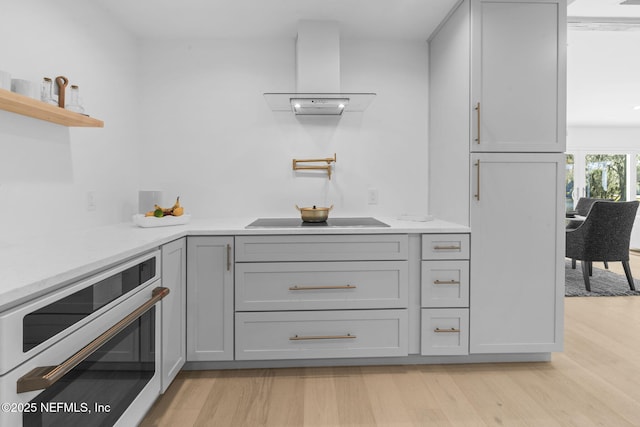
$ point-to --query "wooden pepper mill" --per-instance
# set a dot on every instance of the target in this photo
(62, 83)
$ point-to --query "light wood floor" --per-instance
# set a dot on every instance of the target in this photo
(595, 381)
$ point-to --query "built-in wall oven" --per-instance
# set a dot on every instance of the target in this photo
(87, 355)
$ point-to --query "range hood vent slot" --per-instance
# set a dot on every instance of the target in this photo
(318, 75)
(319, 103)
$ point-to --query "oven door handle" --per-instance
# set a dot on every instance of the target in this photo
(44, 377)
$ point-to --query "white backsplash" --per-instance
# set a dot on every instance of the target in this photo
(47, 170)
(226, 153)
(189, 118)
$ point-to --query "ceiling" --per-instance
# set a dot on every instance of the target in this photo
(603, 8)
(377, 19)
(602, 83)
(373, 19)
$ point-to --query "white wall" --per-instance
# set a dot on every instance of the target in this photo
(46, 170)
(602, 78)
(616, 138)
(209, 136)
(189, 118)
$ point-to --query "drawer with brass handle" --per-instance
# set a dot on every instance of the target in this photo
(445, 246)
(321, 334)
(289, 248)
(274, 286)
(445, 331)
(445, 284)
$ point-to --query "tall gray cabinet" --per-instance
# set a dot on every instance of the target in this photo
(497, 137)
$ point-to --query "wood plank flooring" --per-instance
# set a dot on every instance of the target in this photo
(594, 382)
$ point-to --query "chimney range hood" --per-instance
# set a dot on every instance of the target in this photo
(318, 75)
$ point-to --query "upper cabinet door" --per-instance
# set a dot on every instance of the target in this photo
(518, 83)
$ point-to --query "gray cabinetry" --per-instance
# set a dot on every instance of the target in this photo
(445, 294)
(497, 133)
(209, 298)
(174, 310)
(321, 296)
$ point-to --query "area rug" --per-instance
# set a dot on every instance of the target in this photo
(604, 283)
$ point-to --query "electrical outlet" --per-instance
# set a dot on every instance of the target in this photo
(372, 196)
(91, 201)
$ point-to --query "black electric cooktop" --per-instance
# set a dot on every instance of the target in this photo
(331, 222)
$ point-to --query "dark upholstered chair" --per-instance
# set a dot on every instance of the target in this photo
(603, 236)
(582, 208)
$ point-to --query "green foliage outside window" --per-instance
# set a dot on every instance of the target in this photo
(569, 182)
(606, 176)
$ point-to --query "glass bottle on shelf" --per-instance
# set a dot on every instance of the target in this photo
(47, 92)
(73, 104)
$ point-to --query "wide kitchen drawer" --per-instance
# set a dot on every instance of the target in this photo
(445, 246)
(366, 247)
(321, 285)
(321, 334)
(445, 331)
(445, 283)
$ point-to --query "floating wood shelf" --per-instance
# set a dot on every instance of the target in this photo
(30, 107)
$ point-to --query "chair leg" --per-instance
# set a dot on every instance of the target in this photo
(590, 268)
(606, 265)
(627, 272)
(585, 274)
(573, 263)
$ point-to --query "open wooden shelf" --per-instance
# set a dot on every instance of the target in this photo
(20, 104)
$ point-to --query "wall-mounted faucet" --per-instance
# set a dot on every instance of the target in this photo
(326, 167)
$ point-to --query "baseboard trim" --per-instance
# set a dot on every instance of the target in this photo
(408, 360)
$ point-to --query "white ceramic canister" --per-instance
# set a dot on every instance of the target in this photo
(5, 80)
(148, 199)
(26, 88)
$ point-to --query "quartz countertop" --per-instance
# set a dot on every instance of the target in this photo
(34, 267)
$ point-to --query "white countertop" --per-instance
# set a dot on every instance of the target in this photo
(34, 267)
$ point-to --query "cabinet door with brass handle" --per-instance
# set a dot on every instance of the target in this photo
(520, 211)
(518, 71)
(210, 271)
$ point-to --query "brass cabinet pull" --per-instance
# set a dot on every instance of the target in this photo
(313, 288)
(446, 330)
(446, 282)
(321, 337)
(447, 248)
(228, 257)
(478, 117)
(477, 195)
(44, 377)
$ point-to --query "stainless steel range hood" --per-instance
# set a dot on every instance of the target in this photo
(317, 103)
(318, 75)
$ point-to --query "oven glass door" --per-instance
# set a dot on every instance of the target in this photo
(99, 390)
(44, 323)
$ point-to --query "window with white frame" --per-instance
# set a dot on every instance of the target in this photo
(603, 175)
